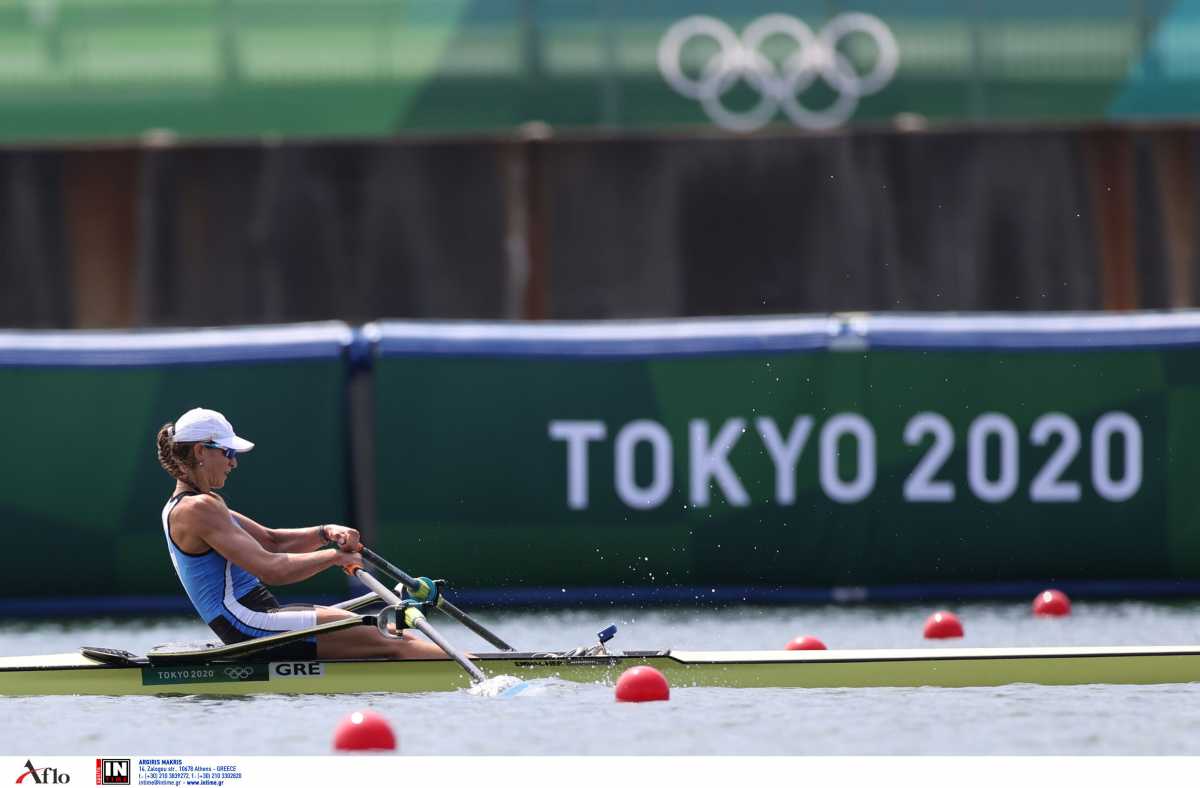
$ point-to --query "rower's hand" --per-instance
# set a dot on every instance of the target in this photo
(346, 539)
(348, 561)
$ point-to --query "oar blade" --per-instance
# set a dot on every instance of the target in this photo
(498, 687)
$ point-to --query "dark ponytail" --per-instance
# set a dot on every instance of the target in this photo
(175, 458)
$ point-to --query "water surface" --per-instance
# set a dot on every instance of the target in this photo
(558, 717)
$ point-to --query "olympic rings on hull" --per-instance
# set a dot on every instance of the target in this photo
(779, 86)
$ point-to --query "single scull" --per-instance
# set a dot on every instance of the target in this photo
(176, 671)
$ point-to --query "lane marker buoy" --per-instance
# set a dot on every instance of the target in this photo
(364, 730)
(1051, 602)
(943, 624)
(642, 683)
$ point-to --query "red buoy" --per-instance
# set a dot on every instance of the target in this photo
(641, 684)
(943, 624)
(1051, 602)
(805, 643)
(364, 730)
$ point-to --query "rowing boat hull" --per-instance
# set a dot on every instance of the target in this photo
(75, 674)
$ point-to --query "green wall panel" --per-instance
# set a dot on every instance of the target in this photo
(918, 464)
(81, 475)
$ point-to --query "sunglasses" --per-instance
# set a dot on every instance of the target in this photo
(229, 453)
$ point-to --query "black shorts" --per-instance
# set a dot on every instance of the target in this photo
(262, 600)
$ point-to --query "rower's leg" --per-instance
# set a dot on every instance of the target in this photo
(364, 642)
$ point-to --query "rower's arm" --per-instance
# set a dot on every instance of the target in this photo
(208, 519)
(281, 540)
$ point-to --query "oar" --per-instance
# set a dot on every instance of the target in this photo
(415, 619)
(443, 604)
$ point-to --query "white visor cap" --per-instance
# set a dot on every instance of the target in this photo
(202, 424)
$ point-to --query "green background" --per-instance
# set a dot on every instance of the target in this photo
(92, 69)
(470, 480)
(83, 492)
(469, 484)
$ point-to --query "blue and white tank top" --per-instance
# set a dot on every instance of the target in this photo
(213, 583)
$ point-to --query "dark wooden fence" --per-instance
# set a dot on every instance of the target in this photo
(1084, 218)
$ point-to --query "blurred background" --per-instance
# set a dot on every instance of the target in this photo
(205, 161)
(377, 172)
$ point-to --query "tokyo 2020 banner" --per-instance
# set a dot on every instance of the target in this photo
(820, 453)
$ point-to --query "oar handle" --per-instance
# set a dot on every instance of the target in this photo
(443, 604)
(420, 623)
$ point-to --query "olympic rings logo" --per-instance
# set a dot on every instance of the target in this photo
(238, 674)
(779, 86)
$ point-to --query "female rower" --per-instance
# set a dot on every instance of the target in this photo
(223, 557)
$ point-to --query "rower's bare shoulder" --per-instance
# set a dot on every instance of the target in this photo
(201, 508)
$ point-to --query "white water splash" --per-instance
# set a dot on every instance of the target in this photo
(497, 686)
